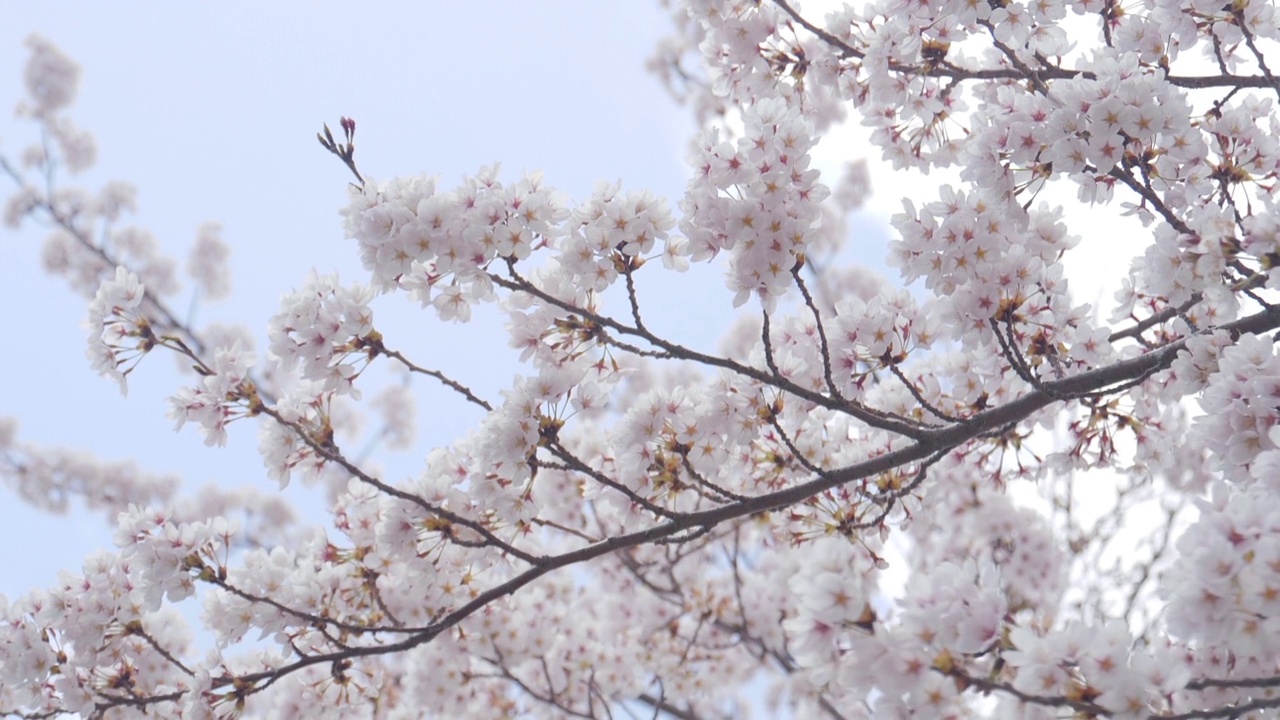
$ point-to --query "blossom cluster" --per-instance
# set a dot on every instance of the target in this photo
(757, 199)
(1239, 404)
(320, 326)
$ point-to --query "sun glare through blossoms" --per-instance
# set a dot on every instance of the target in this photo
(960, 491)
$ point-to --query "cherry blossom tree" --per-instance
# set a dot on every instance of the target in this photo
(956, 493)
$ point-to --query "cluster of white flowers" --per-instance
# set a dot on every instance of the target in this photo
(122, 637)
(610, 231)
(221, 397)
(321, 326)
(119, 334)
(410, 235)
(984, 253)
(1223, 591)
(757, 199)
(1240, 416)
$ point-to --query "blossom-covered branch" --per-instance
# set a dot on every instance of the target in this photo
(934, 499)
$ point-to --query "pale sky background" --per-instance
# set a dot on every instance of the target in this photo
(211, 111)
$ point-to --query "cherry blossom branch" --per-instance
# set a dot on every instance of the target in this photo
(798, 456)
(874, 418)
(310, 619)
(574, 463)
(724, 495)
(68, 225)
(136, 629)
(919, 397)
(628, 275)
(1229, 711)
(883, 466)
(824, 347)
(331, 454)
(171, 324)
(445, 380)
(675, 596)
(1238, 15)
(1035, 77)
(1124, 174)
(888, 500)
(1009, 348)
(1087, 708)
(1141, 326)
(951, 436)
(935, 441)
(949, 70)
(550, 698)
(766, 342)
(1207, 683)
